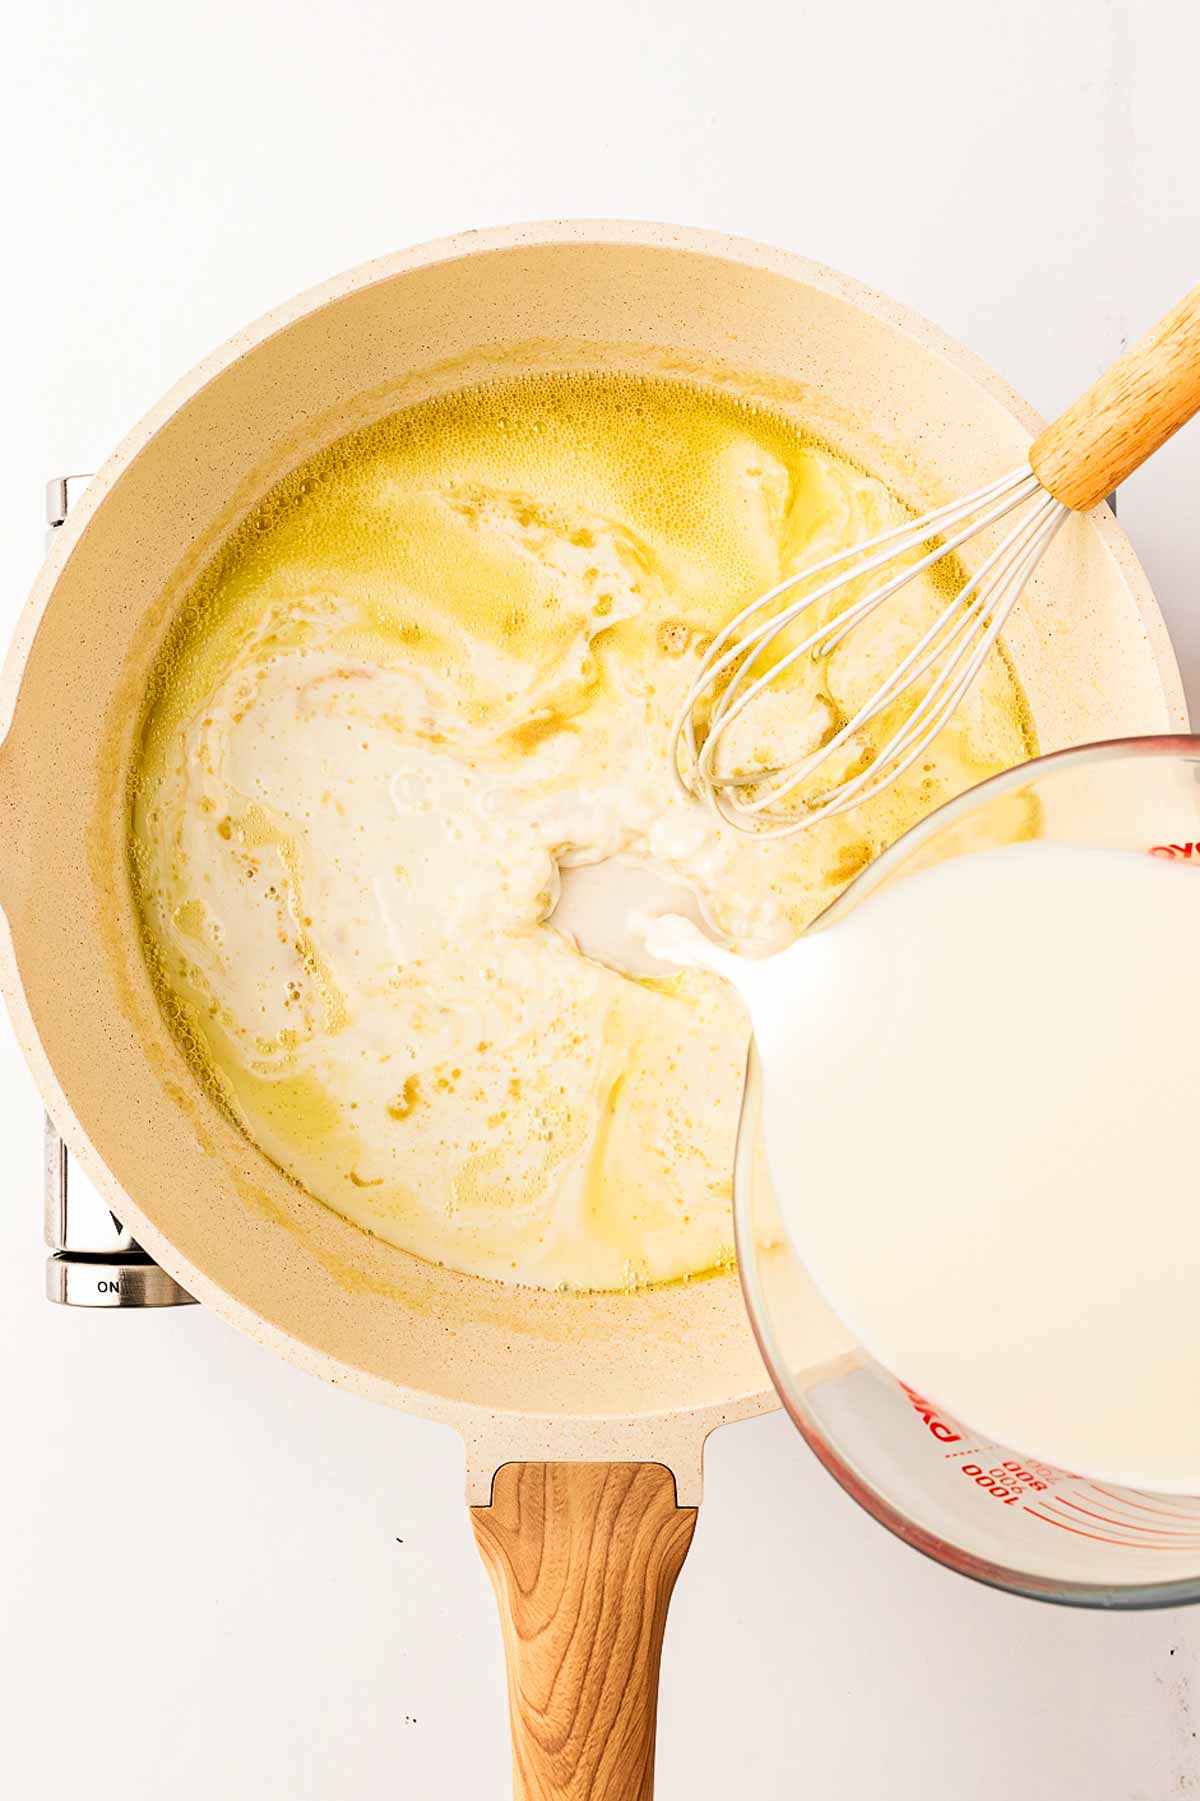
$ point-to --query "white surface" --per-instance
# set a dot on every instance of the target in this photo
(201, 1587)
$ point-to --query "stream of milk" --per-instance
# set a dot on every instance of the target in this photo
(978, 1106)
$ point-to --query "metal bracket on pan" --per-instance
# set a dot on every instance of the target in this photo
(94, 1261)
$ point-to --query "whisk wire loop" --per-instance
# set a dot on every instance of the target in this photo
(950, 653)
(733, 701)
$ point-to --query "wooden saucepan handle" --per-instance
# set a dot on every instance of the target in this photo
(1123, 418)
(583, 1558)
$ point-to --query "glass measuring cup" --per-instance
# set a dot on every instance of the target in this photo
(981, 1508)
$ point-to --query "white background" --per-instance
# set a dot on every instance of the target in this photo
(202, 1591)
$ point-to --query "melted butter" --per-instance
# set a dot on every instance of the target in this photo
(439, 658)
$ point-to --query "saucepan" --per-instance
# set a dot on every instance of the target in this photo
(583, 1417)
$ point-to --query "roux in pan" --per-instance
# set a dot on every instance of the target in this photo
(440, 659)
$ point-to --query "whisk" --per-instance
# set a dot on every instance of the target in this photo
(1124, 417)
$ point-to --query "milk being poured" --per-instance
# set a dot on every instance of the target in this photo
(978, 1107)
(428, 682)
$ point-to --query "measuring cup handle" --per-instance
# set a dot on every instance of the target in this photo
(583, 1558)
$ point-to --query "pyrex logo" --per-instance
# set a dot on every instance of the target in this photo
(941, 1431)
(1177, 853)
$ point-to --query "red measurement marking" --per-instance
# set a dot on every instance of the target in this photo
(1176, 853)
(1166, 1513)
(1101, 1538)
(1106, 1538)
(1128, 1525)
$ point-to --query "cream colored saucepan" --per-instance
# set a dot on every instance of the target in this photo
(584, 1417)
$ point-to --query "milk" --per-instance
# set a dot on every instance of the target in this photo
(980, 1106)
(424, 692)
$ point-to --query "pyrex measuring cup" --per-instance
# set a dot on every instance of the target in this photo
(982, 1508)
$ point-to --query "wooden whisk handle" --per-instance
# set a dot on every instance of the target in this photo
(1124, 416)
(583, 1558)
